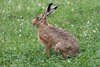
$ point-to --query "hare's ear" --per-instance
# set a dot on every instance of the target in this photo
(52, 9)
(55, 7)
(49, 7)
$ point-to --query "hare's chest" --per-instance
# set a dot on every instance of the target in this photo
(43, 38)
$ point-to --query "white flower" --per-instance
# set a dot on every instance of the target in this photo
(18, 19)
(9, 1)
(2, 41)
(28, 8)
(97, 24)
(19, 6)
(68, 2)
(43, 7)
(19, 35)
(85, 33)
(69, 61)
(20, 30)
(39, 4)
(72, 9)
(21, 24)
(3, 11)
(3, 32)
(94, 31)
(88, 22)
(72, 25)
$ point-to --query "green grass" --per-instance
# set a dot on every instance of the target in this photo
(19, 46)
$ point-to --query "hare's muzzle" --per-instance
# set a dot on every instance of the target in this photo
(34, 22)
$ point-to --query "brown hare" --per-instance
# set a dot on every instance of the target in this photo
(51, 36)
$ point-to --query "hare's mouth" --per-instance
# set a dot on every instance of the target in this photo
(33, 22)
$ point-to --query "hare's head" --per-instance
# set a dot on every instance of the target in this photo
(41, 19)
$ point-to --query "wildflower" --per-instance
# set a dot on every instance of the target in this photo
(20, 30)
(21, 24)
(72, 9)
(43, 7)
(94, 31)
(19, 35)
(88, 22)
(39, 4)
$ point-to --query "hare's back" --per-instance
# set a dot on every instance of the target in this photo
(59, 33)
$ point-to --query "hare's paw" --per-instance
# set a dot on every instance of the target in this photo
(45, 52)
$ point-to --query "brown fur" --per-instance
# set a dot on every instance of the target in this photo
(51, 36)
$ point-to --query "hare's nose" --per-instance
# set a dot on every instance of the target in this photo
(33, 22)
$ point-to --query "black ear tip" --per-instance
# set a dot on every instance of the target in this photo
(48, 9)
(50, 3)
(56, 7)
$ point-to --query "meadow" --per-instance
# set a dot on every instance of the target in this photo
(19, 45)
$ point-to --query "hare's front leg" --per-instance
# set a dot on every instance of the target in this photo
(47, 45)
(47, 49)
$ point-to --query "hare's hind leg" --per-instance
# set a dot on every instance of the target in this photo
(59, 46)
(64, 48)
